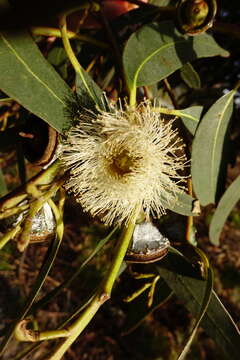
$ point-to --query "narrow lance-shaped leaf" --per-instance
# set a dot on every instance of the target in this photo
(156, 51)
(190, 76)
(205, 303)
(58, 58)
(208, 148)
(26, 76)
(185, 205)
(226, 204)
(190, 117)
(83, 97)
(182, 278)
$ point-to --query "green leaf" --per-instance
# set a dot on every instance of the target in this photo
(190, 117)
(226, 204)
(186, 205)
(26, 76)
(58, 58)
(205, 303)
(138, 310)
(190, 76)
(208, 149)
(3, 186)
(84, 99)
(157, 50)
(183, 279)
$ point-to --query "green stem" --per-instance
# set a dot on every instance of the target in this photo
(189, 227)
(21, 333)
(79, 326)
(49, 335)
(6, 99)
(170, 112)
(73, 59)
(133, 96)
(14, 211)
(35, 206)
(9, 235)
(120, 253)
(49, 31)
(50, 296)
(102, 295)
(137, 293)
(45, 177)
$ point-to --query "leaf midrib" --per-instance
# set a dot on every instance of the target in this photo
(194, 119)
(215, 228)
(29, 69)
(215, 142)
(206, 313)
(150, 56)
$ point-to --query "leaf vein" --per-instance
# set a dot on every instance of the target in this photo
(151, 55)
(211, 319)
(29, 69)
(215, 142)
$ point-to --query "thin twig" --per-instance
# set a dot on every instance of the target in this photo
(184, 135)
(49, 31)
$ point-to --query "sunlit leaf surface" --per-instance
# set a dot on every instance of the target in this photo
(182, 278)
(156, 51)
(26, 76)
(208, 148)
(225, 206)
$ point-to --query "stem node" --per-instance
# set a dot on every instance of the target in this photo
(104, 297)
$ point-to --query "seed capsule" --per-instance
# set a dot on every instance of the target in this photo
(195, 16)
(39, 141)
(43, 224)
(148, 244)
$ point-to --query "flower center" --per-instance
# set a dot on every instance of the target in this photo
(122, 163)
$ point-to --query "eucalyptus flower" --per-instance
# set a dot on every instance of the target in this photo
(122, 159)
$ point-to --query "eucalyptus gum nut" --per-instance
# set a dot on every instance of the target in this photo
(196, 12)
(195, 16)
(43, 224)
(22, 333)
(39, 141)
(148, 244)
